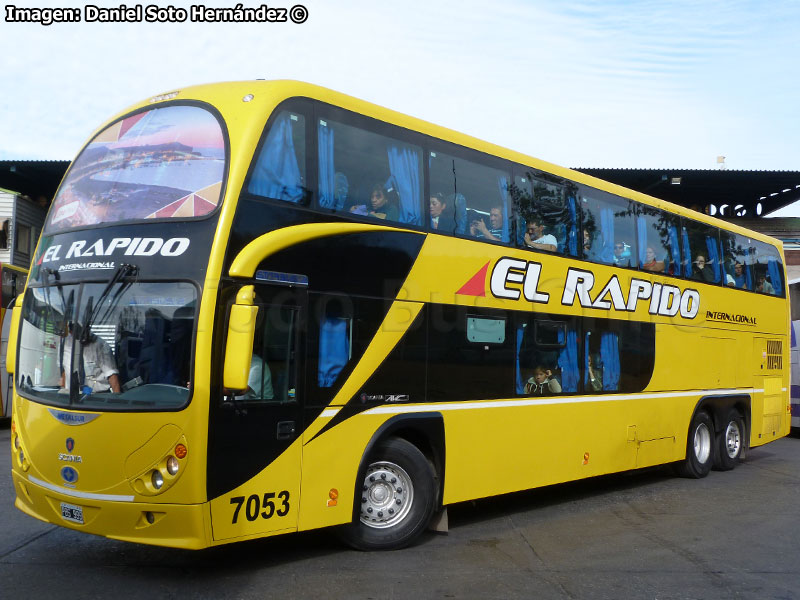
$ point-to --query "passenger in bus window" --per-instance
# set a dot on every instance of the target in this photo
(763, 286)
(494, 232)
(594, 381)
(589, 252)
(96, 368)
(259, 382)
(650, 262)
(381, 205)
(622, 254)
(739, 278)
(543, 383)
(702, 271)
(441, 219)
(536, 238)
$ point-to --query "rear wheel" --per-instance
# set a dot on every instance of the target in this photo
(729, 441)
(396, 498)
(699, 448)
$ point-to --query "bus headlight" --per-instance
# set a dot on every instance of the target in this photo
(23, 462)
(161, 474)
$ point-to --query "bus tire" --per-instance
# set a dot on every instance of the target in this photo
(729, 441)
(396, 499)
(699, 448)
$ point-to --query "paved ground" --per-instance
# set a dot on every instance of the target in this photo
(641, 535)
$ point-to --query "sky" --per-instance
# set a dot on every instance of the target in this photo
(617, 84)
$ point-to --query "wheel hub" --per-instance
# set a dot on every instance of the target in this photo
(733, 439)
(387, 495)
(702, 443)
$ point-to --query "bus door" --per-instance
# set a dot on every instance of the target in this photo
(256, 434)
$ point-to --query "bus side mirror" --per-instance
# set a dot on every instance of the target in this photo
(13, 334)
(239, 346)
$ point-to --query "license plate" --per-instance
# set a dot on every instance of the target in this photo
(72, 513)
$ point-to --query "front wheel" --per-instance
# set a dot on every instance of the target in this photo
(396, 498)
(730, 441)
(699, 448)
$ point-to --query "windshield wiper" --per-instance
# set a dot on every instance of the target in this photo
(46, 272)
(90, 314)
(124, 270)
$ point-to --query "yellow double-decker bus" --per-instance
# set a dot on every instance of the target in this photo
(266, 307)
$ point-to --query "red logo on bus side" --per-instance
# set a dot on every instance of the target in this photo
(476, 286)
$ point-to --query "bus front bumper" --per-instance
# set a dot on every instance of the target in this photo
(172, 525)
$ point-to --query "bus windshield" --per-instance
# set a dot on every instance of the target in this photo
(162, 163)
(123, 347)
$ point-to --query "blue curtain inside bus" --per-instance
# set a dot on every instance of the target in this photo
(502, 184)
(573, 226)
(609, 355)
(725, 269)
(687, 254)
(774, 272)
(568, 363)
(277, 174)
(642, 239)
(675, 249)
(334, 350)
(404, 166)
(711, 244)
(327, 172)
(607, 229)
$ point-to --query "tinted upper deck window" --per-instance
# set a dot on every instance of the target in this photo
(609, 229)
(476, 198)
(368, 174)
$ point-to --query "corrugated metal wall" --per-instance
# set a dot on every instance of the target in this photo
(7, 200)
(26, 221)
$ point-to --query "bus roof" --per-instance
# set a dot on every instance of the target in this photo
(227, 97)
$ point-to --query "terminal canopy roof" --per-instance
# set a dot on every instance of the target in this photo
(720, 192)
(32, 178)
